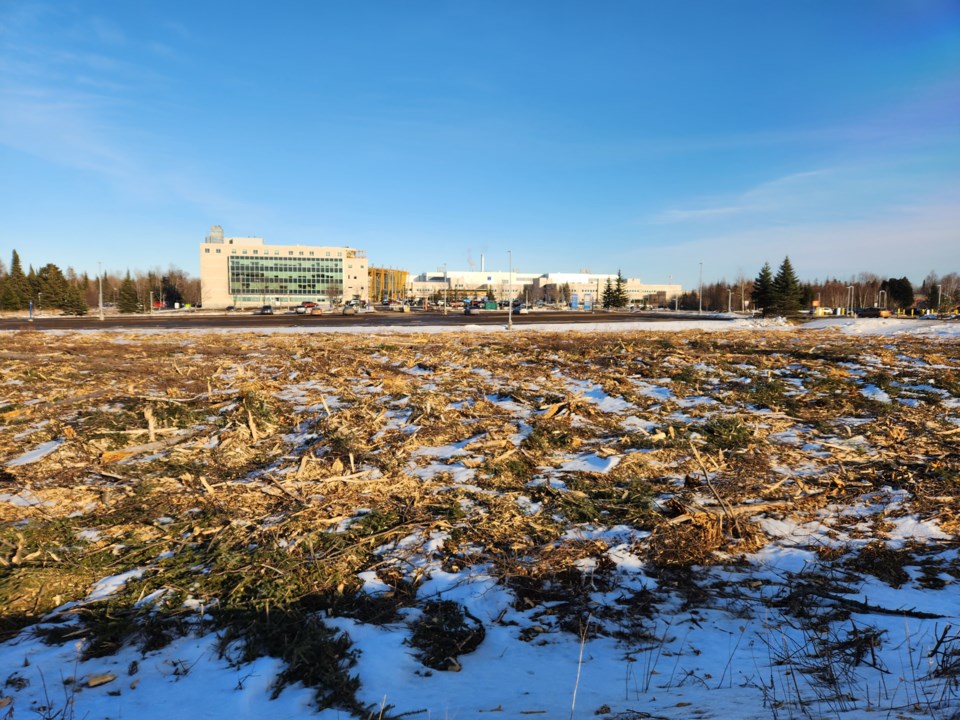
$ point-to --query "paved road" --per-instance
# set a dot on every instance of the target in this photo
(377, 319)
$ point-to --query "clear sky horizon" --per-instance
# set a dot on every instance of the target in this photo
(636, 135)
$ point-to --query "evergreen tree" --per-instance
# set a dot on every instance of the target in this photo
(619, 296)
(8, 297)
(762, 294)
(19, 285)
(74, 301)
(51, 286)
(128, 302)
(606, 300)
(786, 289)
(899, 292)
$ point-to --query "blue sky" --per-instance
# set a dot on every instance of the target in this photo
(645, 136)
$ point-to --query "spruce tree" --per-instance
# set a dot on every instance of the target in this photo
(607, 297)
(128, 302)
(762, 294)
(899, 292)
(620, 297)
(786, 289)
(74, 301)
(8, 297)
(19, 284)
(51, 286)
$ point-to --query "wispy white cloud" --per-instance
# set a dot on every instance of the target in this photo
(768, 197)
(704, 213)
(900, 240)
(64, 99)
(106, 31)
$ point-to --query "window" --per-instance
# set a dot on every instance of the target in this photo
(207, 250)
(218, 251)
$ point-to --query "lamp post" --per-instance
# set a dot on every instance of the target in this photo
(445, 283)
(850, 299)
(100, 289)
(729, 300)
(510, 283)
(939, 298)
(700, 293)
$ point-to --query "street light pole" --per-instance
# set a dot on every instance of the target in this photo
(510, 299)
(850, 300)
(445, 283)
(729, 300)
(700, 292)
(939, 298)
(100, 289)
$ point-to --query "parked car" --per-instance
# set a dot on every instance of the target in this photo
(873, 312)
(308, 304)
(300, 310)
(230, 308)
(265, 310)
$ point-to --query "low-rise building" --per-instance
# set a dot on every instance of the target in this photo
(578, 289)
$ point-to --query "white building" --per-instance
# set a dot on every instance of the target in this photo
(246, 272)
(581, 288)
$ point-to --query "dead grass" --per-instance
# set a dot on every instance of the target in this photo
(255, 477)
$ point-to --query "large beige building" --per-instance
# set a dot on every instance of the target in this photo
(246, 272)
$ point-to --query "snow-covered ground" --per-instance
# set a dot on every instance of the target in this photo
(796, 625)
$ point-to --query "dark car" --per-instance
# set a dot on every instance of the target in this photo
(266, 310)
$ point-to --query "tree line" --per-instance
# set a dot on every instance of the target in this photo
(764, 294)
(51, 289)
(782, 293)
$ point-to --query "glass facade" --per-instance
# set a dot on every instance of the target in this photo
(286, 278)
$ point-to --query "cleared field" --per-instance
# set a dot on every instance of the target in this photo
(738, 524)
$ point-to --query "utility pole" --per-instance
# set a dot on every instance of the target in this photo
(850, 301)
(939, 298)
(700, 292)
(729, 300)
(445, 283)
(510, 299)
(100, 289)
